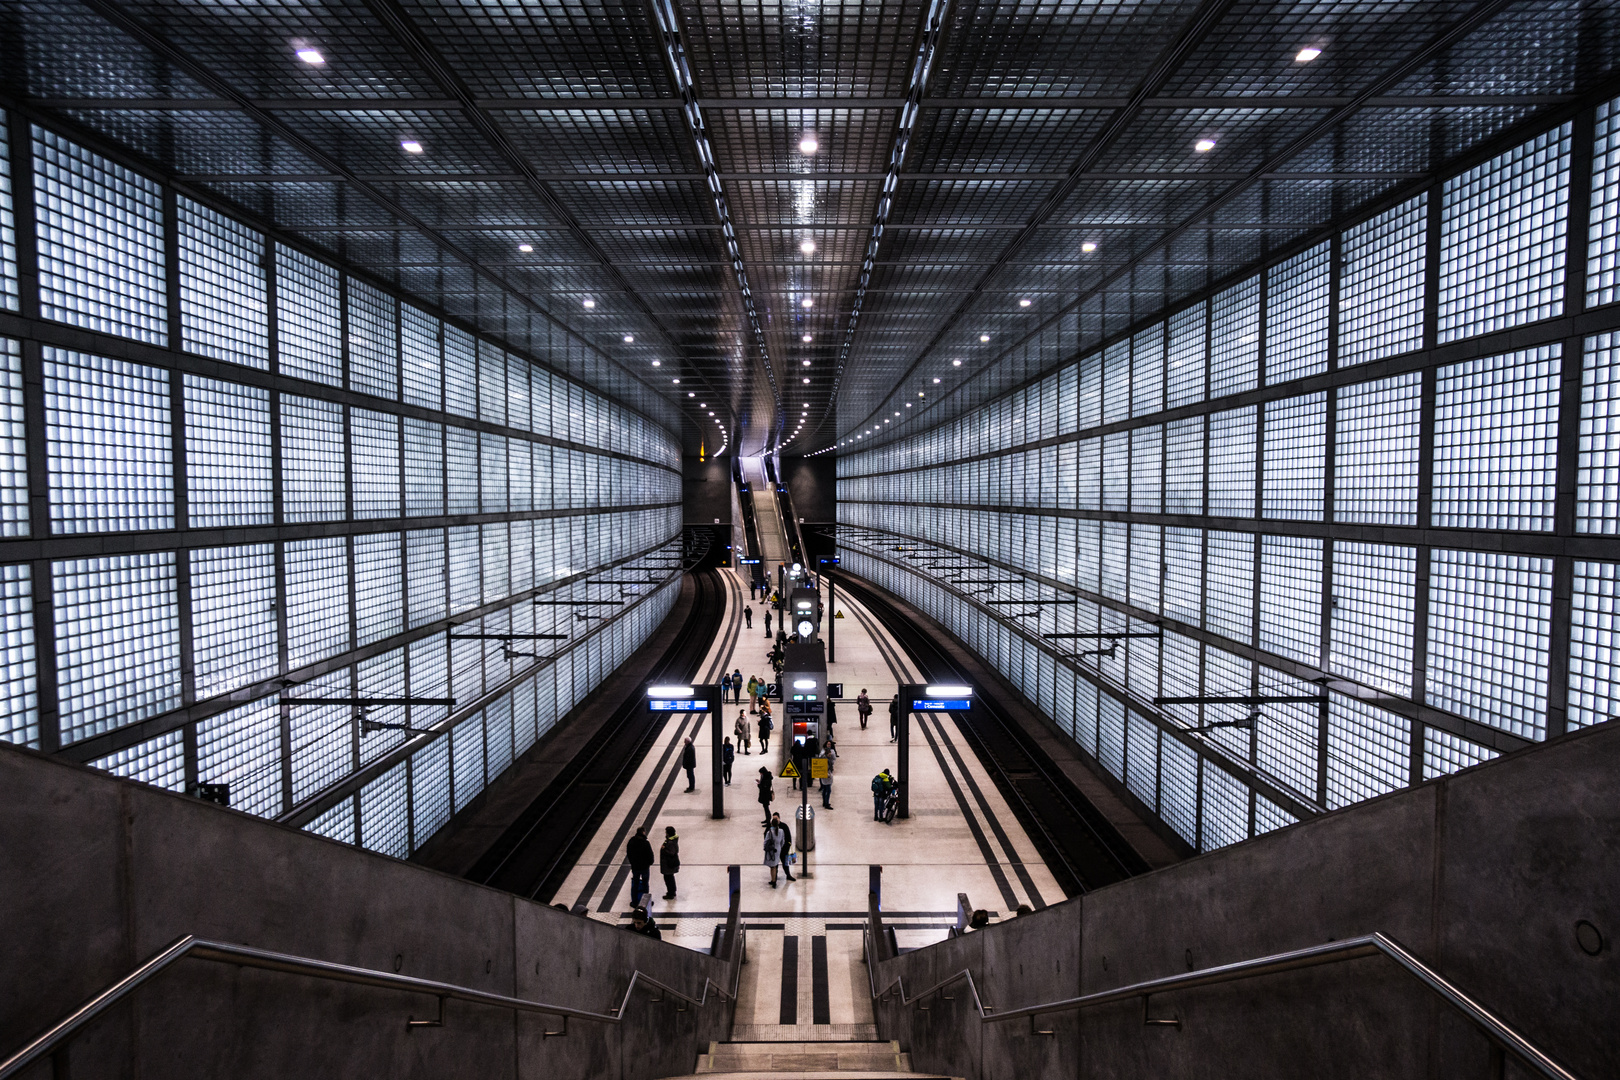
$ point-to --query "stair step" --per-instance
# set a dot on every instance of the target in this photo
(802, 1058)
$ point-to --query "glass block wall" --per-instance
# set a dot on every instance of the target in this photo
(242, 489)
(1343, 526)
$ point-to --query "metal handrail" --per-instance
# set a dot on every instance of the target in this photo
(223, 952)
(1376, 944)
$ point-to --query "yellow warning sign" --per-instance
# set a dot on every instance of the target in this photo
(818, 768)
(789, 772)
(838, 615)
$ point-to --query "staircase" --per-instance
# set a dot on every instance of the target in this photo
(806, 1061)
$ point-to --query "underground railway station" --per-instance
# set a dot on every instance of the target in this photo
(848, 541)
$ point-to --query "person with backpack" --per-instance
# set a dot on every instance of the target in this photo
(640, 853)
(725, 685)
(863, 706)
(728, 754)
(880, 793)
(744, 733)
(669, 860)
(765, 726)
(736, 686)
(765, 796)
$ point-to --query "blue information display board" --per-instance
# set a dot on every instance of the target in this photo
(944, 705)
(677, 705)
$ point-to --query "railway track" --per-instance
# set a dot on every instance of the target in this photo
(535, 853)
(1080, 847)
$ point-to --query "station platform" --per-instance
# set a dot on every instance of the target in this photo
(805, 979)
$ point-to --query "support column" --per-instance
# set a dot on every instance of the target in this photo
(718, 799)
(903, 757)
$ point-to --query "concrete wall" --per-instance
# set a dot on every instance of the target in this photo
(98, 874)
(1484, 875)
(813, 483)
(706, 496)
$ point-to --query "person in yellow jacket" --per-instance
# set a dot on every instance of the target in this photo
(753, 693)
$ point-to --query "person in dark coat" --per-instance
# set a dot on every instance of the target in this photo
(765, 794)
(689, 763)
(725, 685)
(736, 686)
(728, 754)
(767, 623)
(894, 720)
(669, 860)
(863, 706)
(748, 618)
(765, 726)
(640, 853)
(784, 846)
(642, 923)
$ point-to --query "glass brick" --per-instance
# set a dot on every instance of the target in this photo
(1488, 629)
(224, 306)
(108, 446)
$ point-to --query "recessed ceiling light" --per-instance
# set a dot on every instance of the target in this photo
(807, 382)
(808, 338)
(410, 146)
(936, 382)
(808, 145)
(312, 57)
(807, 246)
(689, 393)
(628, 338)
(807, 363)
(525, 248)
(1307, 54)
(703, 404)
(908, 404)
(807, 302)
(1023, 303)
(1089, 245)
(588, 303)
(956, 363)
(658, 363)
(677, 382)
(1204, 146)
(897, 414)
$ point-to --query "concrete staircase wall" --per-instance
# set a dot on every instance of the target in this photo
(97, 874)
(1484, 875)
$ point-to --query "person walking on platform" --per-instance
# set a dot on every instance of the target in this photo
(743, 732)
(736, 686)
(640, 853)
(725, 685)
(748, 618)
(765, 796)
(775, 851)
(669, 860)
(766, 726)
(785, 848)
(830, 753)
(767, 622)
(728, 754)
(863, 706)
(689, 763)
(894, 720)
(753, 693)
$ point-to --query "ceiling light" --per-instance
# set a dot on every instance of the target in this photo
(936, 382)
(1023, 303)
(703, 404)
(658, 363)
(806, 302)
(808, 337)
(1307, 54)
(908, 404)
(689, 393)
(1089, 245)
(1204, 146)
(588, 303)
(807, 363)
(525, 248)
(677, 382)
(628, 339)
(897, 414)
(808, 145)
(956, 363)
(807, 382)
(312, 57)
(807, 246)
(410, 146)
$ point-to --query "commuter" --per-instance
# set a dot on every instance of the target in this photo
(881, 784)
(830, 754)
(669, 860)
(979, 919)
(832, 716)
(863, 706)
(765, 726)
(743, 732)
(764, 783)
(753, 693)
(894, 719)
(728, 754)
(786, 845)
(640, 854)
(767, 622)
(689, 763)
(775, 851)
(736, 686)
(1024, 909)
(642, 923)
(725, 686)
(748, 618)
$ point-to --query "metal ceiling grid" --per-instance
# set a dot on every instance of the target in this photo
(766, 140)
(991, 201)
(850, 48)
(599, 141)
(1000, 141)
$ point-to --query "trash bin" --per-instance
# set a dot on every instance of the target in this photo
(805, 828)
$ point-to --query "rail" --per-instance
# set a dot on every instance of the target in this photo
(1497, 1030)
(196, 948)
